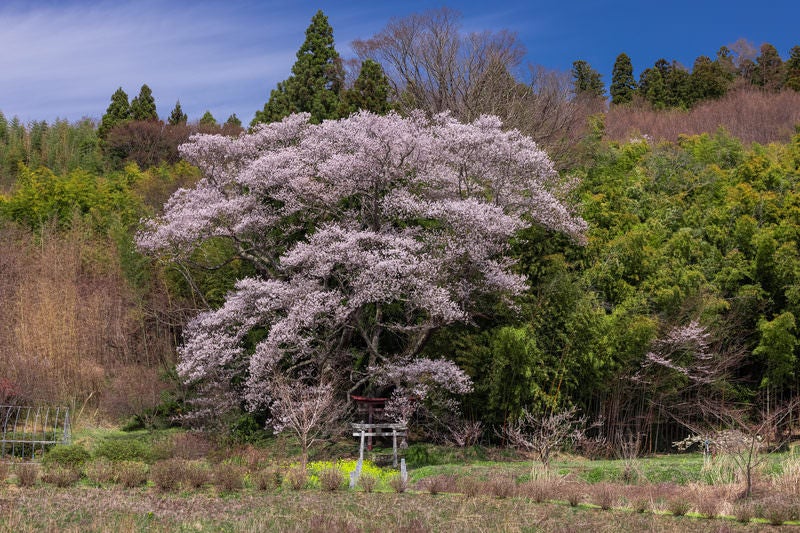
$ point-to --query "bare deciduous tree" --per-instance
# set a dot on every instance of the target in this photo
(308, 411)
(543, 435)
(740, 432)
(432, 64)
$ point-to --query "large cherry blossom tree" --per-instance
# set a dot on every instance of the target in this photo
(367, 235)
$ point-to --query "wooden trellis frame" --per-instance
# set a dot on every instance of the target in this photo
(26, 432)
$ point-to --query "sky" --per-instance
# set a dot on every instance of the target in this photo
(65, 58)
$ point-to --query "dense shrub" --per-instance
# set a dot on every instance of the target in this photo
(367, 482)
(73, 455)
(100, 471)
(131, 473)
(124, 450)
(471, 487)
(267, 479)
(743, 512)
(398, 484)
(332, 479)
(61, 476)
(167, 475)
(502, 487)
(297, 477)
(228, 477)
(191, 445)
(604, 496)
(27, 474)
(678, 506)
(439, 483)
(195, 474)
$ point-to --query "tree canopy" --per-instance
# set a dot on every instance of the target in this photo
(368, 234)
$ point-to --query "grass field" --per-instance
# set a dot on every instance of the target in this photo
(123, 484)
(91, 509)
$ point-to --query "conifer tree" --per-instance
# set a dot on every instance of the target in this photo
(207, 119)
(119, 110)
(143, 107)
(708, 79)
(677, 83)
(652, 88)
(586, 80)
(769, 68)
(177, 116)
(623, 85)
(791, 79)
(316, 80)
(370, 91)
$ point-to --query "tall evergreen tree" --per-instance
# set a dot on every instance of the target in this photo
(316, 80)
(678, 86)
(143, 107)
(623, 85)
(233, 120)
(708, 80)
(769, 68)
(177, 116)
(586, 80)
(370, 91)
(791, 78)
(119, 110)
(725, 61)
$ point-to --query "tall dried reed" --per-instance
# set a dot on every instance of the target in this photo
(748, 114)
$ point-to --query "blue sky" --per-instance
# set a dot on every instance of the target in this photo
(65, 58)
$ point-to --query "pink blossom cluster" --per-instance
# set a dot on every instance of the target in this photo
(360, 229)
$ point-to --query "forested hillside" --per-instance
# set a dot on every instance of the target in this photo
(630, 257)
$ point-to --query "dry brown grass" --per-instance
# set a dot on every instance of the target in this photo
(604, 495)
(167, 475)
(398, 484)
(297, 478)
(439, 483)
(267, 479)
(228, 477)
(747, 114)
(27, 474)
(131, 474)
(100, 471)
(89, 509)
(69, 321)
(61, 476)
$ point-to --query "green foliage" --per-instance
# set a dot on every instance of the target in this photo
(233, 120)
(316, 81)
(207, 119)
(370, 91)
(792, 67)
(73, 456)
(708, 80)
(124, 449)
(41, 196)
(586, 80)
(248, 429)
(61, 146)
(777, 349)
(769, 68)
(177, 116)
(652, 87)
(119, 110)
